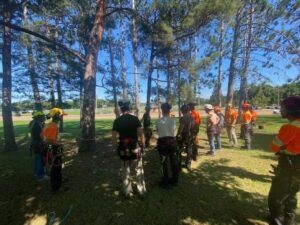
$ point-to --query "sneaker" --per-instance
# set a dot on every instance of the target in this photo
(128, 196)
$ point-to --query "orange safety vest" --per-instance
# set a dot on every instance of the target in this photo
(288, 138)
(254, 115)
(247, 117)
(50, 133)
(196, 116)
(230, 116)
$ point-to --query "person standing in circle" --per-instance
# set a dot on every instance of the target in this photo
(166, 146)
(282, 199)
(129, 130)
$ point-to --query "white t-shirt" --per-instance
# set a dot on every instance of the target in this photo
(166, 126)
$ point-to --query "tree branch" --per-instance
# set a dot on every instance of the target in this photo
(18, 28)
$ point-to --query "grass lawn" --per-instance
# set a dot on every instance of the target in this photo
(230, 188)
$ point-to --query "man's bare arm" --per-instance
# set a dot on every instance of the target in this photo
(140, 131)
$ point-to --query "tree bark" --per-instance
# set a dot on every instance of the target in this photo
(9, 134)
(135, 63)
(168, 99)
(58, 84)
(113, 74)
(149, 81)
(51, 80)
(234, 54)
(220, 75)
(157, 93)
(123, 65)
(31, 66)
(89, 82)
(246, 58)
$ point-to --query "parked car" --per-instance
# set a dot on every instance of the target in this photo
(276, 111)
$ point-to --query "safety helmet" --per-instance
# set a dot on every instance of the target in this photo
(37, 114)
(245, 106)
(292, 103)
(55, 112)
(208, 106)
(217, 108)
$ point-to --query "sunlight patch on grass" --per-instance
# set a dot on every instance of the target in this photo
(37, 220)
(189, 220)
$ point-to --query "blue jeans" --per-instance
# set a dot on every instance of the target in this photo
(39, 165)
(218, 141)
(211, 140)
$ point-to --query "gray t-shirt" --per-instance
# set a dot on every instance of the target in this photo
(166, 126)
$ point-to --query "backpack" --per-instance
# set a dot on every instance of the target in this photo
(221, 122)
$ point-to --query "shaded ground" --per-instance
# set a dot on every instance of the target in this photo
(230, 188)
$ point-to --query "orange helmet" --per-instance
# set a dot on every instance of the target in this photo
(245, 106)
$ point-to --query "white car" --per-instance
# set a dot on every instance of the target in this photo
(276, 111)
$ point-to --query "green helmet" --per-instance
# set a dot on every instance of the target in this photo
(36, 114)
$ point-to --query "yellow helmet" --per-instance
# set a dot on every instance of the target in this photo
(55, 112)
(36, 114)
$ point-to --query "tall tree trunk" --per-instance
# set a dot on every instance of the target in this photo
(9, 134)
(112, 72)
(220, 75)
(234, 54)
(31, 66)
(58, 84)
(135, 63)
(179, 91)
(196, 71)
(157, 93)
(89, 85)
(149, 81)
(168, 98)
(123, 65)
(51, 80)
(246, 58)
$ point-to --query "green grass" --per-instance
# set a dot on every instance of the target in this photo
(230, 188)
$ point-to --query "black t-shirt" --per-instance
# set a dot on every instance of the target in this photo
(35, 130)
(127, 125)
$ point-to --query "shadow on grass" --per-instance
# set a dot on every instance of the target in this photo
(209, 194)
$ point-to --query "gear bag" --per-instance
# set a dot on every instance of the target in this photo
(128, 149)
(166, 145)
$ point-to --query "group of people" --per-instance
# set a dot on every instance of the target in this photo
(282, 200)
(42, 134)
(129, 137)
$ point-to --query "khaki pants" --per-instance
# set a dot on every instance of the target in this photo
(126, 167)
(231, 135)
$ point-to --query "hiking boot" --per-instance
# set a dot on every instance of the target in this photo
(173, 182)
(210, 153)
(194, 157)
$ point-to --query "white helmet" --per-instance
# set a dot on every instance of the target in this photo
(208, 106)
